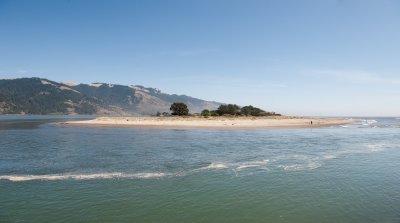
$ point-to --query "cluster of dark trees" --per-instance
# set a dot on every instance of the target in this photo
(179, 108)
(235, 110)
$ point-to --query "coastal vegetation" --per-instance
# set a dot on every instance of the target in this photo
(235, 110)
(181, 109)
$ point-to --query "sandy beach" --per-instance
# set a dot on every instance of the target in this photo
(215, 122)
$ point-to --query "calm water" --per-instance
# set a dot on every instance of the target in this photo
(53, 173)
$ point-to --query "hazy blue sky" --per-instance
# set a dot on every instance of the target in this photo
(333, 57)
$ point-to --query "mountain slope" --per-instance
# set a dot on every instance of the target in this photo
(42, 96)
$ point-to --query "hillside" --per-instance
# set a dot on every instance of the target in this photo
(42, 96)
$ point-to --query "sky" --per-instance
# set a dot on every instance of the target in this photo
(322, 57)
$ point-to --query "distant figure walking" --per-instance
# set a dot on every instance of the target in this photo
(311, 122)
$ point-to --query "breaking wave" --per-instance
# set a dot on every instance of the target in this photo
(299, 167)
(294, 162)
(237, 165)
(81, 176)
(214, 166)
(368, 122)
(378, 147)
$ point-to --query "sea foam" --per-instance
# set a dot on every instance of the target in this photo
(295, 162)
(301, 167)
(235, 165)
(368, 122)
(214, 166)
(251, 164)
(81, 176)
(376, 147)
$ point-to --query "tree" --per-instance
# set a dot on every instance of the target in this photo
(214, 113)
(253, 111)
(230, 109)
(205, 113)
(179, 108)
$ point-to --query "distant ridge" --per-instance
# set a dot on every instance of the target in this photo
(43, 96)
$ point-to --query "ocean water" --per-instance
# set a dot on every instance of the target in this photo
(55, 173)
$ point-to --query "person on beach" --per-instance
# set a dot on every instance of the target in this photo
(311, 122)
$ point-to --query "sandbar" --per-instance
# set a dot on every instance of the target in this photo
(215, 122)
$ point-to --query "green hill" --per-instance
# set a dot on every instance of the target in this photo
(42, 96)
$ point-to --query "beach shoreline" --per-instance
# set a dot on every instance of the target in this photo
(215, 122)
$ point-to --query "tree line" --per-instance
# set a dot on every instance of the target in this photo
(181, 109)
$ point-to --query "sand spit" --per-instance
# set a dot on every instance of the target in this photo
(215, 122)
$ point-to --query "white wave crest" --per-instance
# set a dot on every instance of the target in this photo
(81, 176)
(375, 147)
(215, 166)
(300, 167)
(252, 164)
(247, 166)
(237, 165)
(361, 149)
(368, 122)
(329, 156)
(298, 162)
